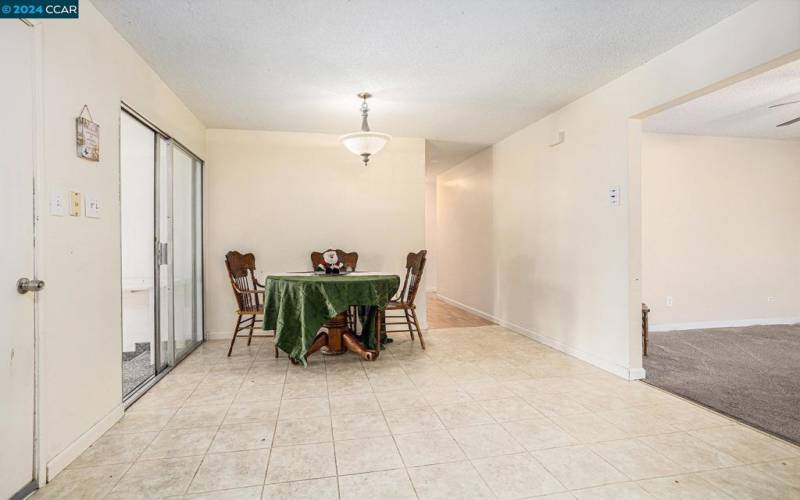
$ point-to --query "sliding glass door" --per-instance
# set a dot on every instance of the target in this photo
(137, 212)
(161, 239)
(187, 251)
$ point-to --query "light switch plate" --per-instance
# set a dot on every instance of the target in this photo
(74, 204)
(92, 206)
(58, 204)
(613, 196)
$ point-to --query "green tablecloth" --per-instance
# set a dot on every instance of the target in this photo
(296, 307)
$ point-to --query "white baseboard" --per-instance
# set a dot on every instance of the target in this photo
(609, 366)
(469, 309)
(636, 373)
(699, 325)
(74, 449)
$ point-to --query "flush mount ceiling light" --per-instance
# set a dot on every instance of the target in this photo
(365, 143)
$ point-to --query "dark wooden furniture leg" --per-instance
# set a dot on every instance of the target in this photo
(335, 326)
(339, 339)
(235, 331)
(319, 342)
(378, 332)
(357, 347)
(252, 324)
(413, 312)
(408, 321)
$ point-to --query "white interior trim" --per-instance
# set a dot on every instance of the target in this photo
(39, 204)
(74, 449)
(698, 325)
(636, 373)
(609, 366)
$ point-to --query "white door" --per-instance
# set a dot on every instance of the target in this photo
(16, 258)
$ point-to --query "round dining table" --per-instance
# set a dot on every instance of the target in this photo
(298, 305)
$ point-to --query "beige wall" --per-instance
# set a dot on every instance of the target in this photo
(432, 263)
(282, 195)
(566, 264)
(86, 61)
(464, 235)
(720, 220)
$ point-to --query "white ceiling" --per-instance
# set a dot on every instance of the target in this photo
(739, 110)
(458, 71)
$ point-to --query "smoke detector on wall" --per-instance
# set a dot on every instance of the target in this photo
(557, 138)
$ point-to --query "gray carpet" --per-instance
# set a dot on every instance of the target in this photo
(749, 373)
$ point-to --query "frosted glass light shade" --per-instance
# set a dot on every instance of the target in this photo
(365, 143)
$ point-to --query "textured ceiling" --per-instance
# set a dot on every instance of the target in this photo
(739, 110)
(460, 71)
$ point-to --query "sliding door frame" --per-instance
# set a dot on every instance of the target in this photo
(156, 348)
(200, 285)
(165, 362)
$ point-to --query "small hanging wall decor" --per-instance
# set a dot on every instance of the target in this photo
(87, 136)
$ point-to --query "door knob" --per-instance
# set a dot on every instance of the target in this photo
(25, 285)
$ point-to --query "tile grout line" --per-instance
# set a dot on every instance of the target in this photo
(274, 431)
(330, 419)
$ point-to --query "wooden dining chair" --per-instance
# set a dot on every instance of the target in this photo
(404, 300)
(349, 260)
(248, 292)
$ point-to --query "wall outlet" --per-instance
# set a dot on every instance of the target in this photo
(771, 299)
(669, 301)
(74, 204)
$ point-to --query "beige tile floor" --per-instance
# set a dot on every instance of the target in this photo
(443, 315)
(483, 413)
